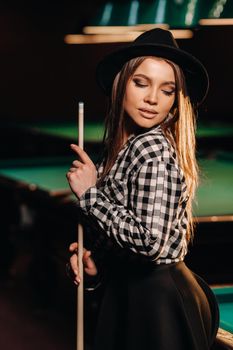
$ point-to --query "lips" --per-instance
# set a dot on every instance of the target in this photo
(147, 112)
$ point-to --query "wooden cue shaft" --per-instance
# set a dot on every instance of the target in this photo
(80, 298)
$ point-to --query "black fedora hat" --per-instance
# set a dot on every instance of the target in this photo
(156, 42)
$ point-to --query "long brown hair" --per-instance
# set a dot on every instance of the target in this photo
(179, 129)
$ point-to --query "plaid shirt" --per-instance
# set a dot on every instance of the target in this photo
(141, 203)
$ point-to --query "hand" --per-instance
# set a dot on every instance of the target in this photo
(88, 262)
(82, 175)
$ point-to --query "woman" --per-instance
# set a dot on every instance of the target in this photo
(140, 200)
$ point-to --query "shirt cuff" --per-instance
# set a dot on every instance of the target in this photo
(88, 198)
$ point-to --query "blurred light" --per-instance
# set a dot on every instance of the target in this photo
(182, 33)
(220, 13)
(191, 8)
(120, 21)
(214, 218)
(125, 37)
(160, 15)
(217, 8)
(216, 21)
(147, 26)
(121, 29)
(100, 38)
(177, 13)
(114, 13)
(107, 12)
(108, 29)
(133, 13)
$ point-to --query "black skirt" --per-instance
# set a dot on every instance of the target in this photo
(156, 307)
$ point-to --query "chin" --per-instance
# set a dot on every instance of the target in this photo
(148, 125)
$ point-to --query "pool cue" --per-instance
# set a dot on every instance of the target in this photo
(80, 298)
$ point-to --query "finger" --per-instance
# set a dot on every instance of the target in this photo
(72, 170)
(87, 260)
(89, 265)
(86, 256)
(70, 273)
(74, 267)
(82, 154)
(77, 164)
(69, 175)
(74, 263)
(73, 246)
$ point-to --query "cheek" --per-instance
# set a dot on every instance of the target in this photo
(126, 105)
(169, 104)
(132, 93)
(129, 100)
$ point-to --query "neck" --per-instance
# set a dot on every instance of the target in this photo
(130, 128)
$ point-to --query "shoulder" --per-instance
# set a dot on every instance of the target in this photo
(152, 145)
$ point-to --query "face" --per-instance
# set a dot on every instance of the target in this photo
(150, 93)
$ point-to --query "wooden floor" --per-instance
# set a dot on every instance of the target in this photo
(25, 326)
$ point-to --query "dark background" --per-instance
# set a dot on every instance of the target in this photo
(41, 77)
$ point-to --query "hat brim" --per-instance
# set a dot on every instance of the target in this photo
(197, 80)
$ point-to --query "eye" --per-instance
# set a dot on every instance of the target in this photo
(168, 93)
(139, 83)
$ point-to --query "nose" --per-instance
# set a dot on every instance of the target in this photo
(152, 96)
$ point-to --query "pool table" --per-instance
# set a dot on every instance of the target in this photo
(47, 176)
(224, 295)
(53, 138)
(214, 196)
(42, 182)
(28, 141)
(215, 191)
(94, 130)
(37, 177)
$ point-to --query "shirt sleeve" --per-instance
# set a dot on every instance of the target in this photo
(144, 225)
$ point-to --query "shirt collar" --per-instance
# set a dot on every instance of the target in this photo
(153, 130)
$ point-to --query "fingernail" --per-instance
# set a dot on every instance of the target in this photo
(75, 272)
(78, 280)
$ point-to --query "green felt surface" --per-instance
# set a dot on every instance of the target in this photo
(214, 130)
(225, 301)
(214, 195)
(215, 191)
(47, 173)
(50, 178)
(93, 131)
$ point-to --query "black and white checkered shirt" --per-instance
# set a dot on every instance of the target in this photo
(141, 203)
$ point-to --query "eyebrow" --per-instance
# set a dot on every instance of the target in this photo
(170, 82)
